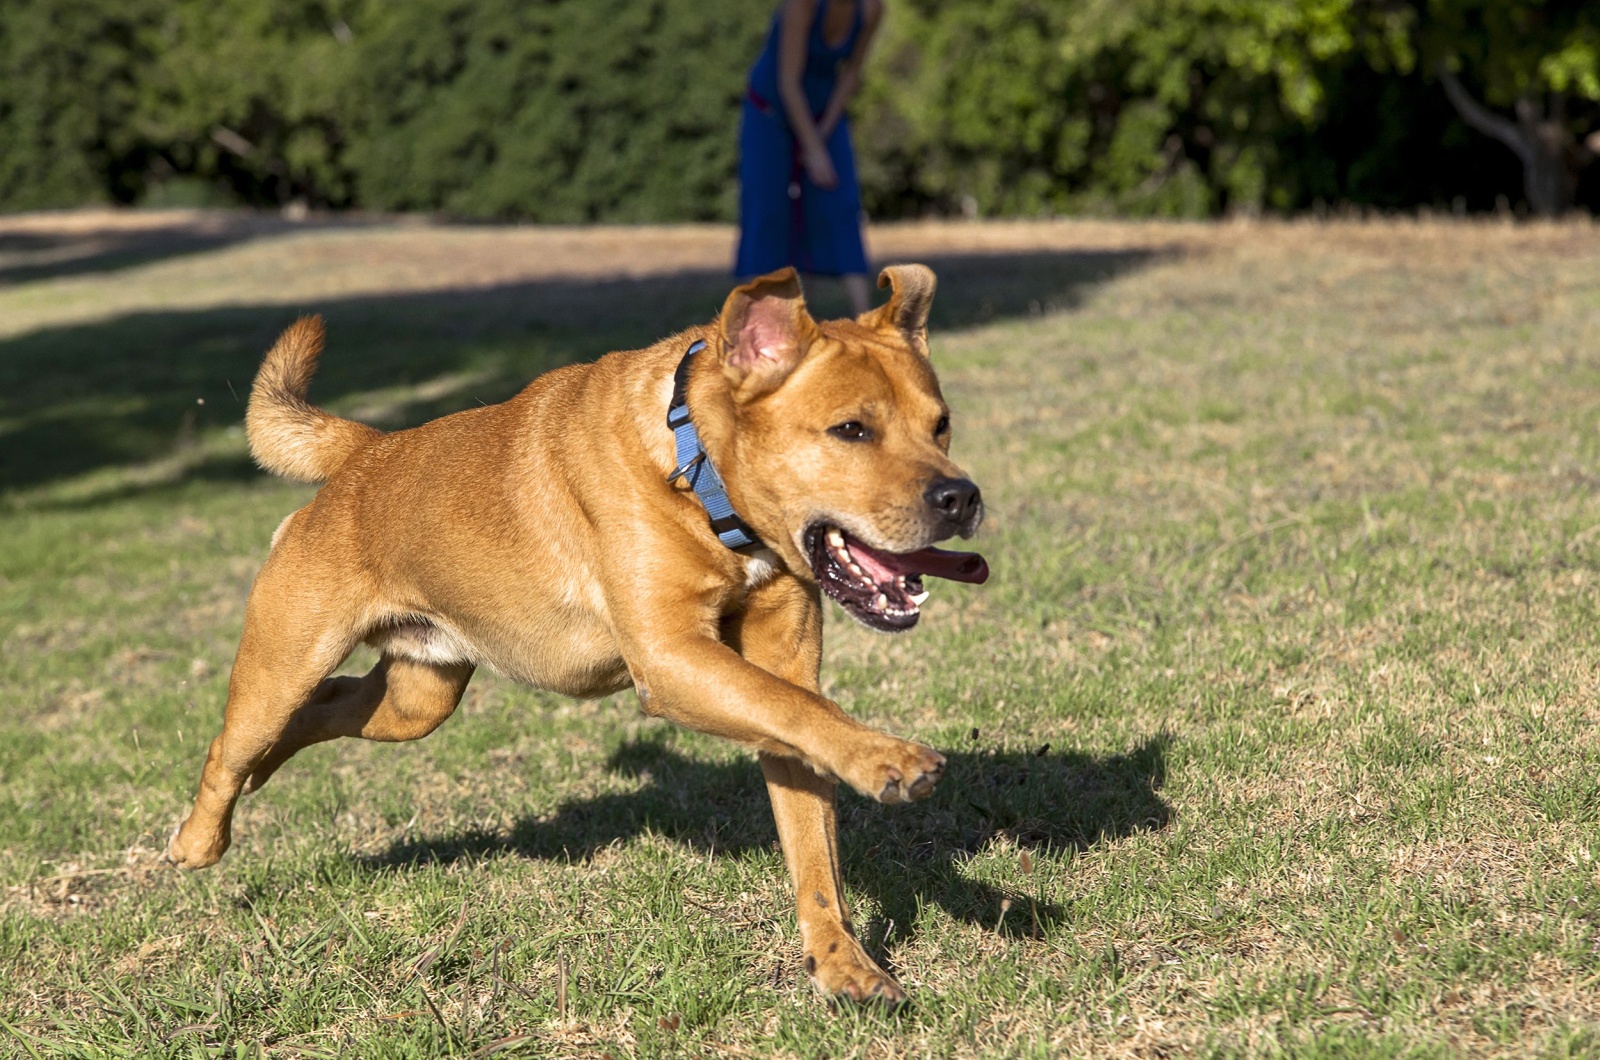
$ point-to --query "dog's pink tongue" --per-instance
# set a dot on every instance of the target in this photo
(943, 563)
(938, 562)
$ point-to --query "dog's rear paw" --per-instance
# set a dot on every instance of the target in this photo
(187, 849)
(895, 771)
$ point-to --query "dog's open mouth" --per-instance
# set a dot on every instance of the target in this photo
(880, 589)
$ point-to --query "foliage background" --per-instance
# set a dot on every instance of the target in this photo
(626, 110)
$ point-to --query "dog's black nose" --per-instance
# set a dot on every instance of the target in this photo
(956, 501)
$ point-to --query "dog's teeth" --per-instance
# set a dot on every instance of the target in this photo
(836, 539)
(881, 603)
(917, 598)
(855, 568)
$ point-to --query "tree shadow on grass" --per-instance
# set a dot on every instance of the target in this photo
(29, 257)
(901, 857)
(138, 389)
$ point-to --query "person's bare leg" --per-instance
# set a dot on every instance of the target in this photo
(859, 290)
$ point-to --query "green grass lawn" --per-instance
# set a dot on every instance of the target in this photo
(1275, 731)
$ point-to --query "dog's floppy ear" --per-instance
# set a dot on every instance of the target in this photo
(765, 331)
(908, 305)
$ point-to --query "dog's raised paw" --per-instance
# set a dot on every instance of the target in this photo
(899, 771)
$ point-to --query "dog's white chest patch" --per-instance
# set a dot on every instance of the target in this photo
(760, 567)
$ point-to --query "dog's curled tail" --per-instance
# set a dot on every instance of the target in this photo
(288, 435)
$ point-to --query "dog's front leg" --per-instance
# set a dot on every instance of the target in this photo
(781, 632)
(683, 671)
(803, 807)
(759, 687)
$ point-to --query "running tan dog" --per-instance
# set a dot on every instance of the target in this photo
(562, 538)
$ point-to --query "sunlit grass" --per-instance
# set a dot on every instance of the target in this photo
(1296, 547)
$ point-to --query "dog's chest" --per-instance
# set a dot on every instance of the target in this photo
(760, 567)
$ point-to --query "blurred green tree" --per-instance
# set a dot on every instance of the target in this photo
(251, 97)
(1170, 107)
(69, 72)
(1540, 59)
(561, 110)
(626, 110)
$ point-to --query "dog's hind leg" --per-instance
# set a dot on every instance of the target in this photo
(399, 699)
(298, 626)
(280, 662)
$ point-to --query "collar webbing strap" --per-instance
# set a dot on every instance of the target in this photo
(695, 466)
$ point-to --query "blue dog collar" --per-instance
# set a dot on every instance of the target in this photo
(695, 465)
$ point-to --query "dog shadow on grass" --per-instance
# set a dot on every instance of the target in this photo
(902, 857)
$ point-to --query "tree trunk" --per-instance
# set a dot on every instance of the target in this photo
(1548, 152)
(1553, 177)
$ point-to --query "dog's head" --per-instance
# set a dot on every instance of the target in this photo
(835, 441)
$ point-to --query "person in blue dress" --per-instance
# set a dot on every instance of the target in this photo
(799, 203)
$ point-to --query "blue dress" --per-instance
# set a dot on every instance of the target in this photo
(785, 219)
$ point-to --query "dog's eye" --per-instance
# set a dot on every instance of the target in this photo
(942, 428)
(851, 431)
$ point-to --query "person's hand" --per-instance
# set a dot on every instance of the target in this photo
(819, 167)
